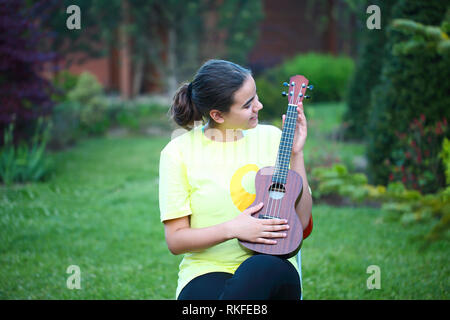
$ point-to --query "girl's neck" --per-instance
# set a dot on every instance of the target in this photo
(220, 134)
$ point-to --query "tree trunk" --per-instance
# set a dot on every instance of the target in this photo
(330, 33)
(138, 76)
(172, 83)
(125, 55)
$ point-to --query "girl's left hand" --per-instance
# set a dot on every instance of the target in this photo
(301, 131)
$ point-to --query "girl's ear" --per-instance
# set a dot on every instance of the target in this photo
(216, 115)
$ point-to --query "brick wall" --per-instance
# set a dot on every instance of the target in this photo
(295, 26)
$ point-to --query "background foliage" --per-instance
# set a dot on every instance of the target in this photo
(411, 84)
(24, 92)
(79, 186)
(367, 73)
(328, 74)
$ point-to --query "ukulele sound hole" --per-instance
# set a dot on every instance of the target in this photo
(276, 191)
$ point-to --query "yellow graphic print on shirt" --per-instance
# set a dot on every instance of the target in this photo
(240, 196)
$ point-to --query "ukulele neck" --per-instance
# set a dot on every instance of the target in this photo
(285, 148)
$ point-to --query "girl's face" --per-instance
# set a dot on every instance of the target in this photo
(243, 113)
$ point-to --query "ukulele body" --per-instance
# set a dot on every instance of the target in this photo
(279, 202)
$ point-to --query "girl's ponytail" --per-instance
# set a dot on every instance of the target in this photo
(183, 110)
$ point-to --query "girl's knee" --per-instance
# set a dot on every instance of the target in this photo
(270, 266)
(264, 277)
(264, 259)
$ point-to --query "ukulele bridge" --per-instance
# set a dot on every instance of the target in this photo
(265, 216)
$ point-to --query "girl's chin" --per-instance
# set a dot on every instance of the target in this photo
(252, 123)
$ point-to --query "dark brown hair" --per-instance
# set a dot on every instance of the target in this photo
(213, 87)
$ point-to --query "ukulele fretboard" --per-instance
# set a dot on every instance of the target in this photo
(285, 148)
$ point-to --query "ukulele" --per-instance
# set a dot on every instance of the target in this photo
(280, 188)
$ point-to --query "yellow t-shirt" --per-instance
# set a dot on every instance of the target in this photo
(213, 182)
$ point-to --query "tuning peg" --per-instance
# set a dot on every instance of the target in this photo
(285, 84)
(284, 94)
(307, 97)
(310, 87)
(303, 85)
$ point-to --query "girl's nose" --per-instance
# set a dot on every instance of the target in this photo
(259, 106)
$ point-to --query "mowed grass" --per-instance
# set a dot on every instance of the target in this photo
(100, 212)
(346, 241)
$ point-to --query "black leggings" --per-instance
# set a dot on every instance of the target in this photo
(260, 277)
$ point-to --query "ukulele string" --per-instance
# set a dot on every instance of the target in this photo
(278, 202)
(295, 113)
(270, 202)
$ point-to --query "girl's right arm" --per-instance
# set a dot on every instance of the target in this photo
(181, 238)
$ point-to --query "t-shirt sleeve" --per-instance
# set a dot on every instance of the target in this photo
(174, 188)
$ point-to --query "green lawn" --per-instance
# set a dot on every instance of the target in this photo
(100, 211)
(345, 241)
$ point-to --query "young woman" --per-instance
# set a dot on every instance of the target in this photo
(207, 184)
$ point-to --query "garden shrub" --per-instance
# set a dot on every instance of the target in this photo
(415, 155)
(25, 94)
(136, 115)
(337, 180)
(88, 97)
(66, 125)
(413, 82)
(64, 82)
(367, 74)
(402, 204)
(445, 156)
(25, 162)
(328, 74)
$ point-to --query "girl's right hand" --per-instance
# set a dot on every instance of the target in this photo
(246, 228)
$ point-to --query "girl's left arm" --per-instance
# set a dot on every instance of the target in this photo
(304, 206)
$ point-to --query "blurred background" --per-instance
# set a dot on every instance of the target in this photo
(85, 92)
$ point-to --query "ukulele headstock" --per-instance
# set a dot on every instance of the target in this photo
(297, 85)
